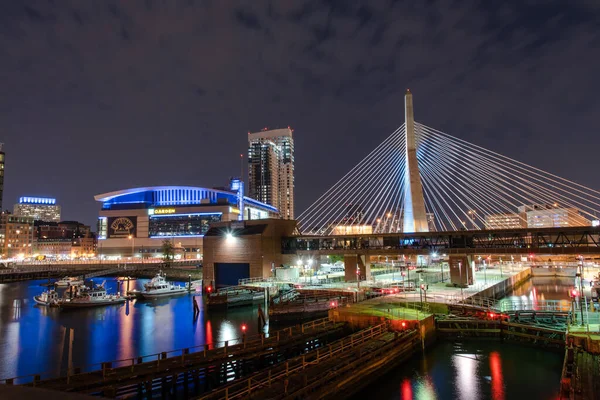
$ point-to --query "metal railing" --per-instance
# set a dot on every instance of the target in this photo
(506, 305)
(141, 362)
(30, 270)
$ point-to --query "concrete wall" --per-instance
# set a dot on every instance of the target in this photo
(261, 250)
(567, 272)
(504, 287)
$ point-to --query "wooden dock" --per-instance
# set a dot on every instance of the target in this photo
(190, 371)
(580, 375)
(334, 371)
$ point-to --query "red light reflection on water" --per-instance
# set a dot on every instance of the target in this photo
(406, 390)
(209, 333)
(497, 379)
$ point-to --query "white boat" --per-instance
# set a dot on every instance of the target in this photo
(69, 281)
(91, 297)
(159, 287)
(47, 298)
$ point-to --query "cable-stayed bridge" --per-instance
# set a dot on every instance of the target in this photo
(420, 179)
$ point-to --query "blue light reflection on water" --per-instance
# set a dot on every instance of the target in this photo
(34, 338)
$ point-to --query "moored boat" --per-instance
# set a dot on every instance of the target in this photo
(69, 281)
(91, 297)
(47, 298)
(160, 287)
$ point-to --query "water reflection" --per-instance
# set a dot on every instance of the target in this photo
(34, 338)
(537, 290)
(472, 370)
(466, 366)
(497, 380)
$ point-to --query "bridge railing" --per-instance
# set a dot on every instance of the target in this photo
(30, 269)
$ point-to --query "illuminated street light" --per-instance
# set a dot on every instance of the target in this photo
(130, 237)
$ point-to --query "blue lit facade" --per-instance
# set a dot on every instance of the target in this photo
(136, 222)
(37, 200)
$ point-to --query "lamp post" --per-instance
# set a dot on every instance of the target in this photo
(484, 273)
(472, 217)
(581, 288)
(132, 245)
(462, 297)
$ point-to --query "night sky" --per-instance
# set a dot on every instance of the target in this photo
(101, 95)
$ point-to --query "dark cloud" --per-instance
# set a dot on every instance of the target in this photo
(152, 92)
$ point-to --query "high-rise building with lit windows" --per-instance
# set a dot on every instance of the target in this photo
(39, 208)
(271, 169)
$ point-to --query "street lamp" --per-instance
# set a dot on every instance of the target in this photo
(472, 217)
(433, 257)
(461, 282)
(130, 237)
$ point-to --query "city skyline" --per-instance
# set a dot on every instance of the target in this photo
(77, 121)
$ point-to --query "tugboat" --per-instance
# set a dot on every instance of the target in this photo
(47, 298)
(91, 297)
(69, 281)
(159, 287)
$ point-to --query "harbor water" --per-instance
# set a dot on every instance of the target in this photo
(472, 370)
(34, 338)
(477, 369)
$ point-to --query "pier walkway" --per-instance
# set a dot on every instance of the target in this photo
(325, 372)
(201, 367)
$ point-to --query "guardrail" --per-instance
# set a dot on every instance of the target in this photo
(134, 363)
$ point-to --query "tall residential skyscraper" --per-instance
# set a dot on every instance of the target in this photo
(271, 169)
(1, 174)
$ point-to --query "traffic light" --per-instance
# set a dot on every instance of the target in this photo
(209, 289)
(244, 328)
(424, 286)
(574, 293)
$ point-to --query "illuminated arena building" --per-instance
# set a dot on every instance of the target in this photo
(136, 222)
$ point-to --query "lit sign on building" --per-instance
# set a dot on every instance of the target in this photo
(161, 211)
(121, 227)
(37, 200)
